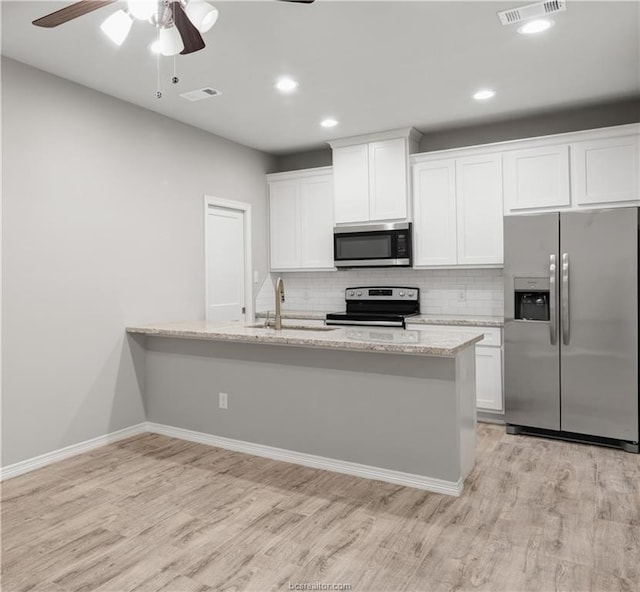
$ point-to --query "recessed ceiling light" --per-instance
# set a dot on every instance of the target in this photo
(537, 26)
(329, 122)
(484, 94)
(286, 85)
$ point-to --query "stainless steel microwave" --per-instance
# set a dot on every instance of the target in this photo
(373, 245)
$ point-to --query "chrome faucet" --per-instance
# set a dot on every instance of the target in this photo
(277, 325)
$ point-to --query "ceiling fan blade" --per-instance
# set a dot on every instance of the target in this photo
(68, 13)
(190, 35)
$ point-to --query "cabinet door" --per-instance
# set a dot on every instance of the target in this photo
(489, 378)
(606, 170)
(537, 178)
(316, 222)
(284, 224)
(388, 179)
(479, 210)
(434, 211)
(351, 183)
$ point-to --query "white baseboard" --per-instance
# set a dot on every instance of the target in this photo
(290, 456)
(43, 460)
(311, 460)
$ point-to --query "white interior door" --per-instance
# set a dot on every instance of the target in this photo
(225, 261)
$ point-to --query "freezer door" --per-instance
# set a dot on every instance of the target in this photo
(599, 351)
(531, 353)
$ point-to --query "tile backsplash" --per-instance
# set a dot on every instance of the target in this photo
(442, 291)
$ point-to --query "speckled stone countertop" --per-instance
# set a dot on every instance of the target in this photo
(459, 320)
(424, 319)
(294, 314)
(367, 339)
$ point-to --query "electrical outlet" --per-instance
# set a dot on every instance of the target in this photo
(462, 295)
(223, 400)
(306, 295)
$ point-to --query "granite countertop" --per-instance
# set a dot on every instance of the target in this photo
(366, 339)
(460, 320)
(294, 314)
(424, 319)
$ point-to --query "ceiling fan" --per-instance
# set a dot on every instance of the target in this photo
(179, 22)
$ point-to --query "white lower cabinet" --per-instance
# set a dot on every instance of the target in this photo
(488, 363)
(301, 220)
(489, 378)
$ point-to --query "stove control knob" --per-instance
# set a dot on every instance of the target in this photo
(359, 293)
(351, 292)
(401, 294)
(410, 294)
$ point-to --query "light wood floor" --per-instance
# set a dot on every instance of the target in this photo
(153, 513)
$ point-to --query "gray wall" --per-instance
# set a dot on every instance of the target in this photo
(304, 160)
(102, 226)
(541, 124)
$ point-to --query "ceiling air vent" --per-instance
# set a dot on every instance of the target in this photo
(201, 93)
(531, 11)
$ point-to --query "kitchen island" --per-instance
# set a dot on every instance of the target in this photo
(389, 404)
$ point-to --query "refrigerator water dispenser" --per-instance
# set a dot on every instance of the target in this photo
(531, 299)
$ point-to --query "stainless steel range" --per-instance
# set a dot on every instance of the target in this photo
(379, 306)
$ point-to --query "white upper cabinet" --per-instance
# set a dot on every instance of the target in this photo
(284, 235)
(537, 178)
(301, 220)
(586, 169)
(371, 176)
(479, 210)
(458, 211)
(605, 171)
(388, 180)
(316, 222)
(434, 213)
(351, 183)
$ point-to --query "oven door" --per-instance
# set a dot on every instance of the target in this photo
(379, 245)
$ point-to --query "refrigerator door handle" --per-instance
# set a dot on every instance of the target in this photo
(566, 315)
(553, 315)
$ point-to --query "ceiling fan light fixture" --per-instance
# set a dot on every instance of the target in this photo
(170, 41)
(117, 26)
(142, 9)
(201, 14)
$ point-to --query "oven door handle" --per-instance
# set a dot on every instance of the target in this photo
(369, 323)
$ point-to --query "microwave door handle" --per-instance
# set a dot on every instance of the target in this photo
(553, 314)
(566, 311)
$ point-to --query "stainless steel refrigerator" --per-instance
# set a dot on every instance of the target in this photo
(571, 325)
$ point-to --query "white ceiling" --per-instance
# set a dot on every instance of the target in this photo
(372, 65)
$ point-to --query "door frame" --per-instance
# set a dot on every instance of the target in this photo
(245, 208)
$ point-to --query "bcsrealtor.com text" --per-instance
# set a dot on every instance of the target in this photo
(318, 586)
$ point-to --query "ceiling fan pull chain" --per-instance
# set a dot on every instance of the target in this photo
(158, 91)
(175, 78)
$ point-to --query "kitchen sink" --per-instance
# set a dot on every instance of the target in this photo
(293, 327)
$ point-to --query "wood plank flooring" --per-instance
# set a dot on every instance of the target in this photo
(152, 514)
